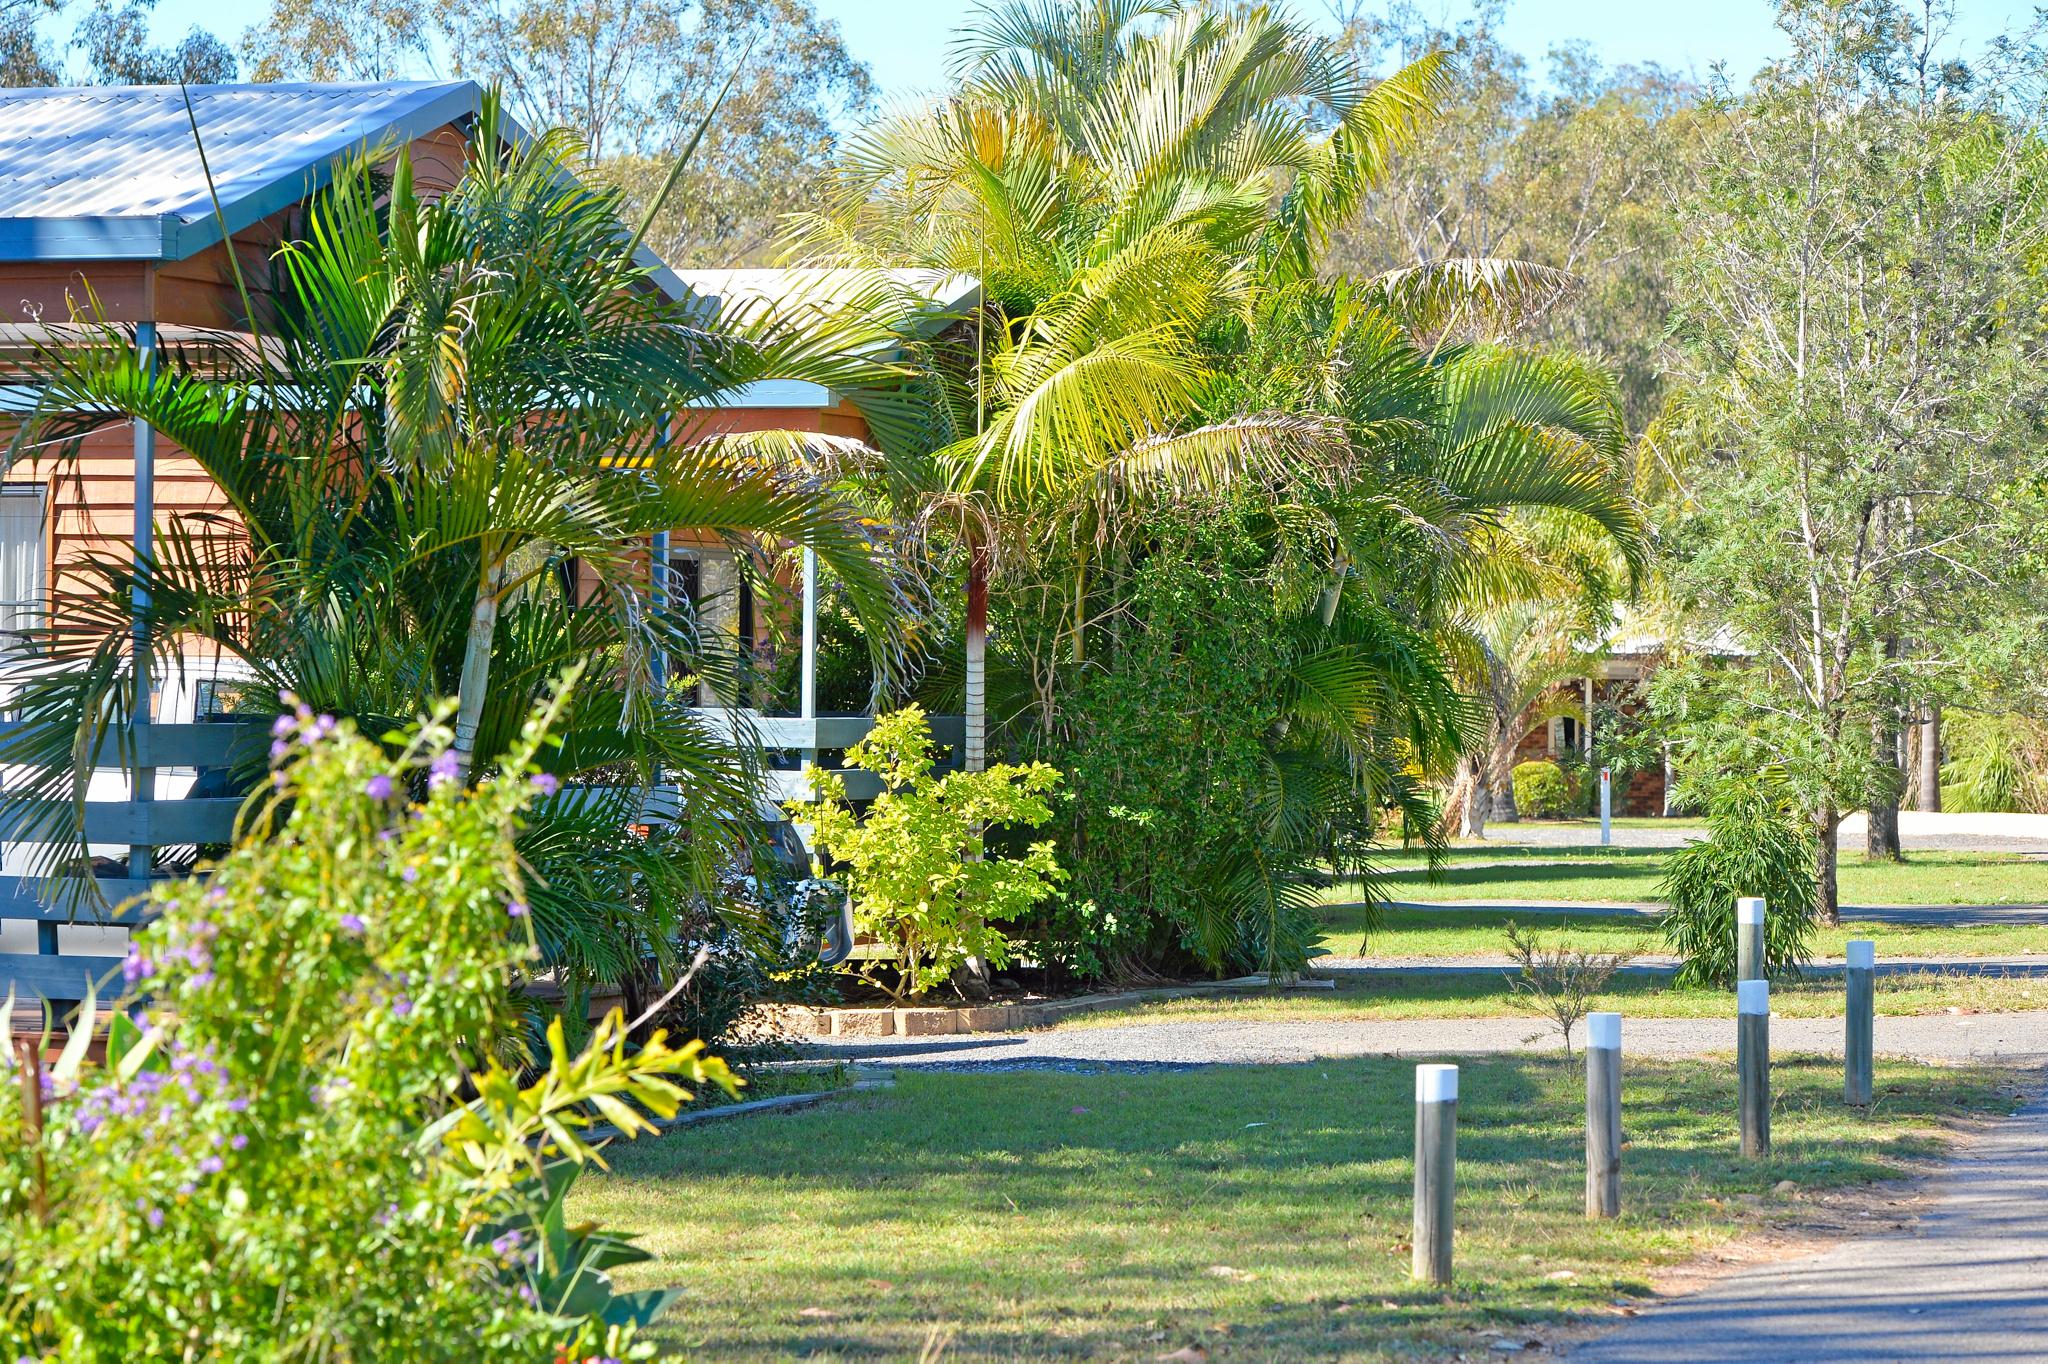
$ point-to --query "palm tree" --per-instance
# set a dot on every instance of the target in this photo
(1119, 176)
(1144, 188)
(443, 443)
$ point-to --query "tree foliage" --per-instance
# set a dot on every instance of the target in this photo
(633, 80)
(1755, 845)
(1862, 350)
(912, 859)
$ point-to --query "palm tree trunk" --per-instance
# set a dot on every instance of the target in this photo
(1930, 761)
(1476, 799)
(476, 660)
(975, 758)
(1500, 781)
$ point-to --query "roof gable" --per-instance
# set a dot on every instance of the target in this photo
(112, 173)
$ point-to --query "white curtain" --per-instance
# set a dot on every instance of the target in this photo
(23, 570)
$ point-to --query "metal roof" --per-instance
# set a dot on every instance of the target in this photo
(937, 297)
(113, 172)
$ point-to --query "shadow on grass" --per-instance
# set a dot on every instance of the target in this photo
(1537, 874)
(1053, 1215)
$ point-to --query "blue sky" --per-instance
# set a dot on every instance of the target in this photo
(904, 41)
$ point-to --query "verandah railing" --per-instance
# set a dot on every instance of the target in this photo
(134, 829)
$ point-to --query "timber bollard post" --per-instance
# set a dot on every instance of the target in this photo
(1749, 938)
(1753, 1065)
(1860, 1024)
(1436, 1170)
(1603, 1115)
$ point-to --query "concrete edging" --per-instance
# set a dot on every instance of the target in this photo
(806, 1020)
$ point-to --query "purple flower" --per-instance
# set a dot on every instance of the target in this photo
(278, 780)
(137, 967)
(278, 749)
(282, 725)
(323, 726)
(201, 981)
(238, 1141)
(547, 783)
(211, 1165)
(444, 768)
(378, 787)
(508, 1244)
(400, 1007)
(216, 894)
(237, 1105)
(352, 923)
(155, 1218)
(516, 909)
(411, 873)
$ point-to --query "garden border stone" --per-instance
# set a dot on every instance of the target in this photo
(942, 1020)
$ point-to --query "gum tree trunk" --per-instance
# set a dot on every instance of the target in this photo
(1827, 895)
(1881, 832)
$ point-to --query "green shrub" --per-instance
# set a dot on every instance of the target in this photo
(1755, 846)
(907, 862)
(1993, 763)
(1541, 791)
(304, 1146)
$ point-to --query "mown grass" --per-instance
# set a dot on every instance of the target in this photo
(1451, 932)
(1634, 874)
(1477, 994)
(1045, 1215)
(765, 1081)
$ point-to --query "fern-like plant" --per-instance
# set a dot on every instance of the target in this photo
(1756, 845)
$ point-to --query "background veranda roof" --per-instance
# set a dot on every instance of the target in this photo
(112, 172)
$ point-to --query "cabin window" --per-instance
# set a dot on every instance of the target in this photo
(24, 572)
(685, 579)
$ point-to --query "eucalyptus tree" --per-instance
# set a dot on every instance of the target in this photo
(443, 442)
(1863, 366)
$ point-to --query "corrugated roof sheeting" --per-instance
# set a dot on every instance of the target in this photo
(113, 172)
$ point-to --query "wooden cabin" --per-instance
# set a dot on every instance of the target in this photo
(107, 212)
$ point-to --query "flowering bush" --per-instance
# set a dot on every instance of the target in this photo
(301, 1144)
(910, 863)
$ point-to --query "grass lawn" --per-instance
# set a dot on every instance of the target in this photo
(775, 1082)
(1256, 1212)
(1483, 932)
(1634, 874)
(1422, 995)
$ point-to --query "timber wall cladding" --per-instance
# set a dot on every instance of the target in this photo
(92, 499)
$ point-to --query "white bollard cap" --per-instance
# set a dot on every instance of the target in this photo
(1604, 1030)
(1749, 909)
(1752, 997)
(1436, 1084)
(1862, 954)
